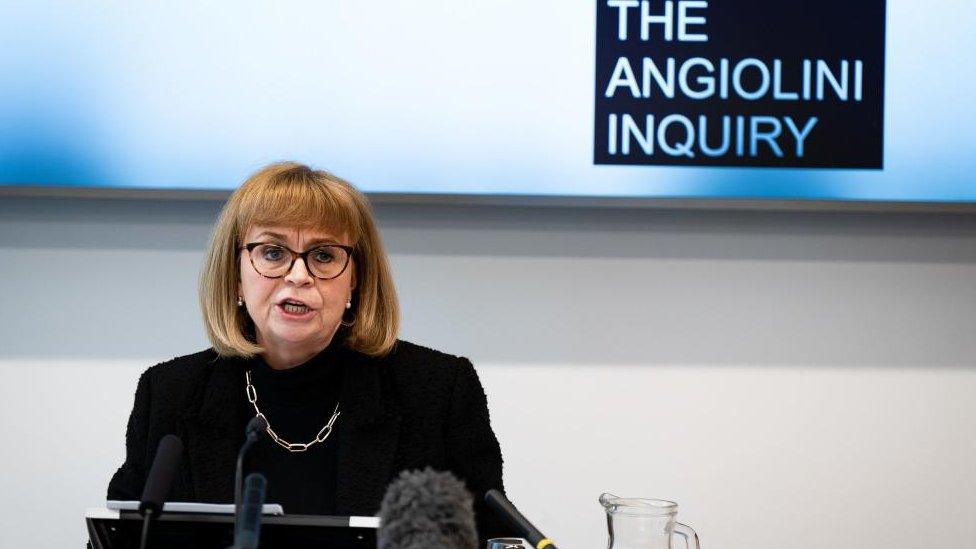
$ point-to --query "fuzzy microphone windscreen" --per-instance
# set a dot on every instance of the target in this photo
(427, 510)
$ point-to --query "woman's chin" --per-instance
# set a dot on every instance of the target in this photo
(305, 336)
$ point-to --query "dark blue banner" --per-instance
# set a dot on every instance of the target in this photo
(782, 83)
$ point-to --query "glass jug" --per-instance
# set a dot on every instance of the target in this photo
(636, 523)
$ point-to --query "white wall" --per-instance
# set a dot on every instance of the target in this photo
(801, 380)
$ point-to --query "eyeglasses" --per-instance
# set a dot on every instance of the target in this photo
(275, 261)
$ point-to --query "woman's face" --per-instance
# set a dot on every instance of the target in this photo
(288, 330)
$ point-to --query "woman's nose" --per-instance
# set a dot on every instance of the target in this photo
(299, 274)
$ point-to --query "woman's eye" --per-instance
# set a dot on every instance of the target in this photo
(273, 253)
(323, 256)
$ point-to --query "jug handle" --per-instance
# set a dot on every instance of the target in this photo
(685, 531)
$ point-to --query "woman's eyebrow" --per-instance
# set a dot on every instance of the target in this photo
(280, 237)
(320, 241)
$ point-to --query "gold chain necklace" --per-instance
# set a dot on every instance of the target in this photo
(252, 397)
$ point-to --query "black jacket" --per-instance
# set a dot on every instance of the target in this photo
(413, 408)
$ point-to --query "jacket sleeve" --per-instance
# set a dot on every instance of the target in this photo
(128, 481)
(473, 451)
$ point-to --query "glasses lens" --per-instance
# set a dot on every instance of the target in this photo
(270, 260)
(327, 261)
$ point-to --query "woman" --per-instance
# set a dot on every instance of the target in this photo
(301, 310)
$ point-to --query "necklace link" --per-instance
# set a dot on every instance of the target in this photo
(324, 432)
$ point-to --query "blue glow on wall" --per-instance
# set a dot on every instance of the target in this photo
(429, 97)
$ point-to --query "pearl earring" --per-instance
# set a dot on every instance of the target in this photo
(349, 304)
(240, 301)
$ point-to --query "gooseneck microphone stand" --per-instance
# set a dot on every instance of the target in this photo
(254, 427)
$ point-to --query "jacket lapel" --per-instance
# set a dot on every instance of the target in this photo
(215, 432)
(368, 438)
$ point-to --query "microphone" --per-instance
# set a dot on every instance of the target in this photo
(257, 424)
(426, 509)
(247, 531)
(169, 453)
(504, 508)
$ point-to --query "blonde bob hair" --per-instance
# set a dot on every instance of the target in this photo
(293, 195)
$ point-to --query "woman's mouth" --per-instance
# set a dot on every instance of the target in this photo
(295, 309)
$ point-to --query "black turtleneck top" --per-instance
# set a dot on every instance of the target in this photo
(298, 402)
